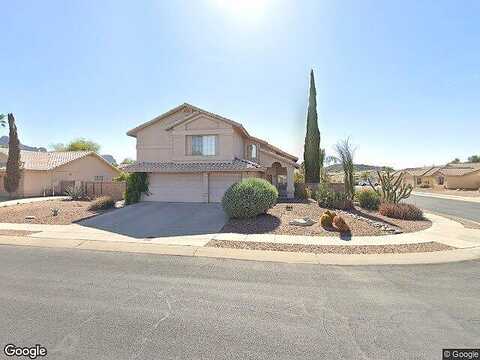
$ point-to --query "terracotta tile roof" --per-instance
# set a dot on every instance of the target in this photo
(432, 171)
(458, 171)
(38, 160)
(200, 166)
(418, 171)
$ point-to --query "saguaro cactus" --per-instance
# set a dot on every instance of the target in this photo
(393, 189)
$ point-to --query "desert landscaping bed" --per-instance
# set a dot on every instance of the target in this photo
(276, 221)
(41, 212)
(332, 249)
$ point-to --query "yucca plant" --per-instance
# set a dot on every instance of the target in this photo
(345, 153)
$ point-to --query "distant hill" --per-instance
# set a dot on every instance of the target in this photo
(4, 143)
(358, 168)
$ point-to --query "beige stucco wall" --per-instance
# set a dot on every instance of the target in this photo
(470, 181)
(156, 143)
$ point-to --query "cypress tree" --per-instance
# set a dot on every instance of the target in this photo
(12, 178)
(311, 153)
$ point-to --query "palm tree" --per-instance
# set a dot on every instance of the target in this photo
(3, 122)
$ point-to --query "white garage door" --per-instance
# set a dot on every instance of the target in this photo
(175, 188)
(218, 184)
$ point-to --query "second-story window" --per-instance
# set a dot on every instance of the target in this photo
(252, 152)
(204, 145)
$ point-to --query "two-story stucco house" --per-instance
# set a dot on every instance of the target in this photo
(192, 155)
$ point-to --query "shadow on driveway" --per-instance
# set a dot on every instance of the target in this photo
(159, 219)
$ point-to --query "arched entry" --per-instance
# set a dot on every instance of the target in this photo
(277, 175)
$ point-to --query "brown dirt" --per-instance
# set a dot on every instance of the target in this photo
(332, 249)
(69, 212)
(276, 221)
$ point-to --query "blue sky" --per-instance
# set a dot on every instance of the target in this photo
(400, 78)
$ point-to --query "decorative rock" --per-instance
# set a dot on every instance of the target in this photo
(30, 217)
(302, 222)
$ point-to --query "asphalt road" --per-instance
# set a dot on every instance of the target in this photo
(463, 209)
(94, 305)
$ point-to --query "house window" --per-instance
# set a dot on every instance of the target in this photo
(419, 181)
(203, 145)
(441, 180)
(98, 178)
(252, 152)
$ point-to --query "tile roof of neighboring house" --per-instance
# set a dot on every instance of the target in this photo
(417, 171)
(464, 165)
(233, 165)
(432, 171)
(198, 110)
(39, 160)
(458, 171)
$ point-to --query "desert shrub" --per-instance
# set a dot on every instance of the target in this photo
(102, 203)
(137, 183)
(424, 186)
(249, 198)
(401, 211)
(368, 199)
(340, 224)
(329, 199)
(75, 192)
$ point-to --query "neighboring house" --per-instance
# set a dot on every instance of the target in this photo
(45, 173)
(451, 176)
(192, 155)
(462, 176)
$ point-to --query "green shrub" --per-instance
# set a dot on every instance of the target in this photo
(137, 183)
(329, 199)
(401, 211)
(120, 178)
(102, 203)
(249, 198)
(368, 199)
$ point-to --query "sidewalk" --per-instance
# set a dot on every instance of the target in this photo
(31, 200)
(449, 197)
(445, 231)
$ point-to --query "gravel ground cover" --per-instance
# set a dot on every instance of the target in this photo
(332, 249)
(68, 212)
(276, 221)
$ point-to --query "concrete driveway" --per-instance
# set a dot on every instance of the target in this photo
(159, 219)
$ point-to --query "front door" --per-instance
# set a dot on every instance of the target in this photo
(282, 185)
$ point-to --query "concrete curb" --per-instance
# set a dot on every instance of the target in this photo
(8, 203)
(253, 255)
(448, 197)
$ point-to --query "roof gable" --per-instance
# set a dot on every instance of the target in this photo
(191, 112)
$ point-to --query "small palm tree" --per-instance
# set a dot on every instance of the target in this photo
(3, 122)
